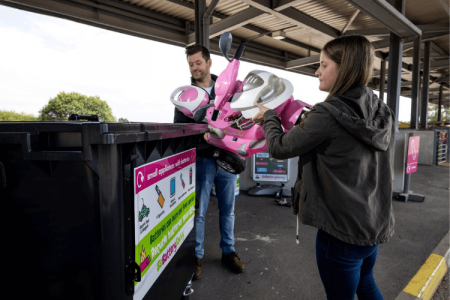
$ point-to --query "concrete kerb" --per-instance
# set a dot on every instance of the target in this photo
(424, 284)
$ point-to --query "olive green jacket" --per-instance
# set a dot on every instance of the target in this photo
(346, 148)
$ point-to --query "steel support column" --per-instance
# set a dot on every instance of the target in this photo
(395, 72)
(394, 77)
(415, 90)
(395, 67)
(419, 98)
(441, 87)
(425, 86)
(200, 8)
(382, 79)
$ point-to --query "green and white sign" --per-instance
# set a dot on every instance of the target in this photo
(164, 209)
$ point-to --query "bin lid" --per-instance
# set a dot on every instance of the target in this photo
(108, 133)
(60, 140)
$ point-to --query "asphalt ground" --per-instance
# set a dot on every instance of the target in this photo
(278, 268)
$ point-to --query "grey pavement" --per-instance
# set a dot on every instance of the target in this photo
(278, 268)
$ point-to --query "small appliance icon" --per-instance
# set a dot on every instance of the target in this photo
(190, 176)
(172, 187)
(161, 199)
(143, 212)
(182, 181)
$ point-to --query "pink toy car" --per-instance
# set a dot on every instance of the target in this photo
(230, 123)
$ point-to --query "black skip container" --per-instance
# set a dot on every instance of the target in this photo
(66, 190)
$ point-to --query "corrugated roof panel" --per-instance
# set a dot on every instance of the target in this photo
(309, 38)
(166, 8)
(243, 33)
(268, 41)
(443, 43)
(137, 2)
(271, 23)
(282, 45)
(363, 21)
(178, 11)
(330, 13)
(336, 14)
(426, 12)
(230, 7)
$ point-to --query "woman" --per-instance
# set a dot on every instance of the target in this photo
(344, 183)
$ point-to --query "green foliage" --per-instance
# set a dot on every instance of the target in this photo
(13, 116)
(433, 112)
(123, 120)
(65, 104)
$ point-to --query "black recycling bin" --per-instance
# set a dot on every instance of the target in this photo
(67, 194)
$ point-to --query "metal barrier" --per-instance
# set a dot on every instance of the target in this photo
(441, 148)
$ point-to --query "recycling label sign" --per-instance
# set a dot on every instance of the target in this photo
(164, 207)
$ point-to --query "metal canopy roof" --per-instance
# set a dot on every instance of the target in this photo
(306, 26)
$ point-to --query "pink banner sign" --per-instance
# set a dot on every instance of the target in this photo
(149, 174)
(413, 154)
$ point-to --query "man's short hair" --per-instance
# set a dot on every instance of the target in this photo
(191, 50)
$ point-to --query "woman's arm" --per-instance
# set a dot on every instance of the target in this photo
(311, 132)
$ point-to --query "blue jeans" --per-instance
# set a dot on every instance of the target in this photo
(207, 173)
(346, 269)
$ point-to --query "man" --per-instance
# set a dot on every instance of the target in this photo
(208, 172)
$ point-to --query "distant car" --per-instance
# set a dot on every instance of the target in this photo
(143, 213)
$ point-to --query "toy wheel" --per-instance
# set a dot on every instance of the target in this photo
(230, 161)
(226, 166)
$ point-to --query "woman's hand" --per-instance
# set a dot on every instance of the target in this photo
(259, 117)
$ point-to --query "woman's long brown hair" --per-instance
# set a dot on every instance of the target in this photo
(354, 58)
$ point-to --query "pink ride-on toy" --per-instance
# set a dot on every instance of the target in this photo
(229, 119)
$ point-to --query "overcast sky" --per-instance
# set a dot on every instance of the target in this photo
(41, 56)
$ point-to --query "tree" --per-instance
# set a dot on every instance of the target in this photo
(65, 104)
(433, 112)
(13, 116)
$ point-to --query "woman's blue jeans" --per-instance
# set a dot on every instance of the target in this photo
(207, 173)
(346, 269)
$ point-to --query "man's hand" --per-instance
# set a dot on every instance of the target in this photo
(206, 137)
(259, 117)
